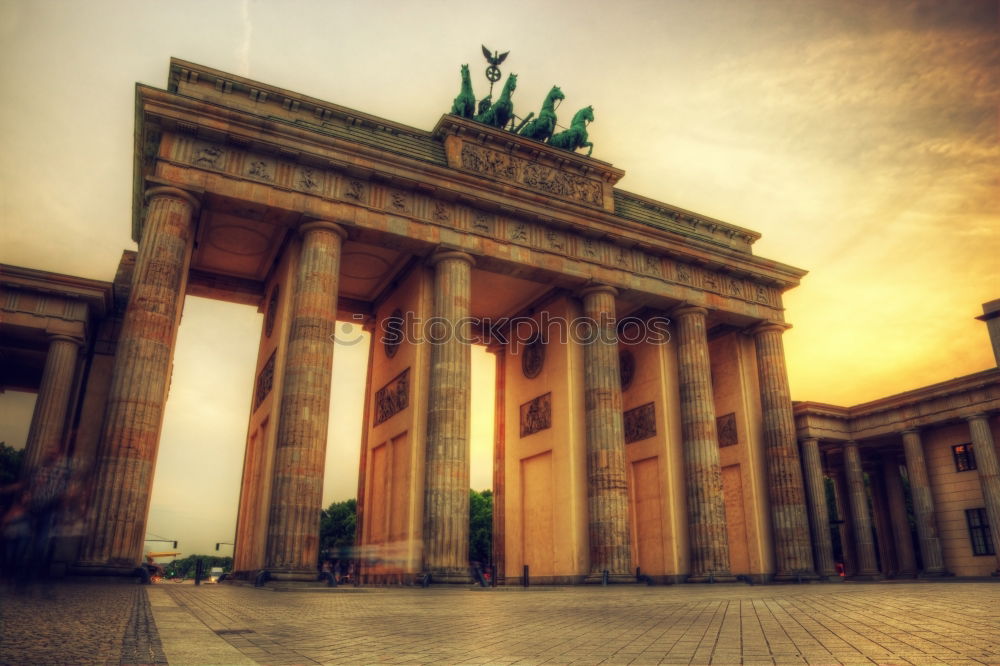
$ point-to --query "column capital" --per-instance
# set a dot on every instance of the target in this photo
(322, 225)
(977, 416)
(689, 309)
(910, 431)
(597, 289)
(443, 254)
(53, 337)
(768, 325)
(175, 192)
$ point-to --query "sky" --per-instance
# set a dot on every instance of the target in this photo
(859, 137)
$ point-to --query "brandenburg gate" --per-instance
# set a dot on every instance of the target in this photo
(643, 418)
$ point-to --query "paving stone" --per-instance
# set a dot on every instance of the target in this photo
(918, 623)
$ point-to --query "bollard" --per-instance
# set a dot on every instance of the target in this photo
(711, 577)
(493, 575)
(604, 577)
(199, 570)
(524, 578)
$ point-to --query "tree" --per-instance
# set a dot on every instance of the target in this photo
(481, 527)
(185, 567)
(337, 525)
(10, 463)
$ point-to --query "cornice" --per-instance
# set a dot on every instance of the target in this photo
(96, 293)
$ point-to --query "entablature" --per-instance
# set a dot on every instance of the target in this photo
(930, 406)
(177, 133)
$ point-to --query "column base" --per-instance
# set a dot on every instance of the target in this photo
(451, 577)
(597, 578)
(795, 576)
(293, 575)
(935, 574)
(722, 577)
(868, 575)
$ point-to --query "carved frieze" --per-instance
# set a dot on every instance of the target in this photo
(265, 381)
(490, 162)
(725, 426)
(355, 190)
(533, 175)
(640, 423)
(536, 415)
(392, 398)
(399, 202)
(308, 179)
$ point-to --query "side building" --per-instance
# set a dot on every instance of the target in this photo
(909, 484)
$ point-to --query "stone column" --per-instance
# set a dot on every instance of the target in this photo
(607, 493)
(499, 464)
(446, 485)
(988, 469)
(706, 508)
(901, 536)
(139, 384)
(923, 505)
(861, 522)
(300, 447)
(45, 437)
(790, 524)
(819, 515)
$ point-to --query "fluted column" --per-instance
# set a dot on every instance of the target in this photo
(300, 447)
(819, 515)
(139, 384)
(861, 521)
(446, 485)
(607, 494)
(923, 505)
(706, 508)
(499, 465)
(789, 522)
(902, 538)
(49, 418)
(984, 450)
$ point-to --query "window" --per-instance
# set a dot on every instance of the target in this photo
(979, 532)
(964, 459)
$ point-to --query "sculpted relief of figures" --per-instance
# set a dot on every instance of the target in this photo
(640, 423)
(265, 381)
(536, 415)
(725, 425)
(531, 174)
(392, 398)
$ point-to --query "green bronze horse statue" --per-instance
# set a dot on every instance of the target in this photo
(465, 104)
(541, 128)
(576, 136)
(502, 110)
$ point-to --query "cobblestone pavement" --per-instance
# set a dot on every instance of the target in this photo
(887, 623)
(78, 623)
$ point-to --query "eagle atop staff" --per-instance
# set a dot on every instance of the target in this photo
(496, 58)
